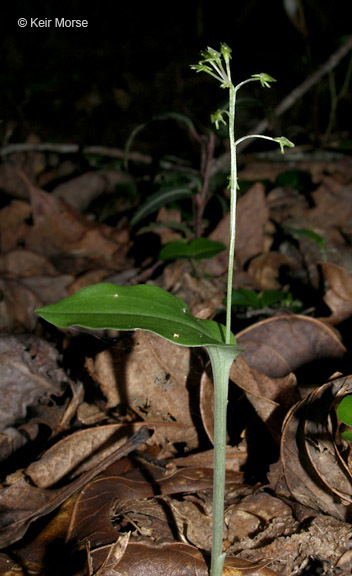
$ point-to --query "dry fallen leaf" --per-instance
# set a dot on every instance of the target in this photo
(21, 503)
(152, 377)
(78, 453)
(145, 559)
(270, 397)
(58, 229)
(13, 226)
(117, 489)
(264, 270)
(79, 192)
(319, 544)
(114, 556)
(251, 224)
(29, 377)
(339, 293)
(250, 232)
(283, 344)
(314, 471)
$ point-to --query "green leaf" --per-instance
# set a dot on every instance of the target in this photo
(249, 299)
(347, 435)
(344, 413)
(344, 410)
(143, 307)
(305, 233)
(199, 248)
(159, 199)
(272, 297)
(245, 298)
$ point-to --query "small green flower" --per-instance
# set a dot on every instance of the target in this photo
(284, 142)
(201, 68)
(225, 52)
(210, 55)
(218, 117)
(264, 79)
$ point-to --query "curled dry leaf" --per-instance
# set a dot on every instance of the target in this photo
(270, 398)
(22, 503)
(206, 404)
(145, 559)
(78, 453)
(283, 344)
(339, 294)
(314, 471)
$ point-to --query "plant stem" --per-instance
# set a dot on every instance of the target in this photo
(221, 361)
(254, 136)
(233, 201)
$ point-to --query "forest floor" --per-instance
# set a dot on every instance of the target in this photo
(85, 489)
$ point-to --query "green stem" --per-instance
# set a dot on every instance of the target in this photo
(233, 200)
(254, 136)
(221, 361)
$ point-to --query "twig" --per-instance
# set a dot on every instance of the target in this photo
(60, 148)
(73, 149)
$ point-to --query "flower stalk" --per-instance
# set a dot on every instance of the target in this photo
(217, 65)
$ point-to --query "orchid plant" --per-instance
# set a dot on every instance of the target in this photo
(148, 307)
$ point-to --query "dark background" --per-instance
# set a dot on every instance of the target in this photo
(93, 85)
